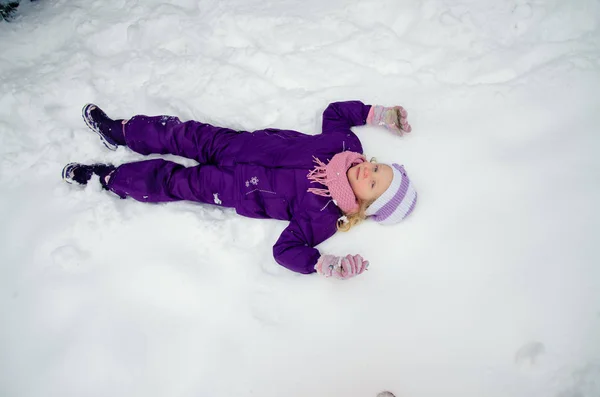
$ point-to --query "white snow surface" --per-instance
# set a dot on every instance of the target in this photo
(491, 288)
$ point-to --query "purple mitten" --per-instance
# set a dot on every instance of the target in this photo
(341, 267)
(392, 118)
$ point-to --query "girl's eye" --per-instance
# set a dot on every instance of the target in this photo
(376, 168)
(372, 185)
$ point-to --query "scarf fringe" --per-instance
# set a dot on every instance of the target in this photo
(319, 175)
(320, 192)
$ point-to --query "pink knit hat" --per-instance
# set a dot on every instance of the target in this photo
(333, 175)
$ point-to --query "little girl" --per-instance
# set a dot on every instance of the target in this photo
(320, 183)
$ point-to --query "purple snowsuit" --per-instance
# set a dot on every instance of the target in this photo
(262, 174)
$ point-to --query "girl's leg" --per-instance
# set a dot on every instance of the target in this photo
(202, 142)
(77, 173)
(161, 181)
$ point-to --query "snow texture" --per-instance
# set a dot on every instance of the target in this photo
(491, 288)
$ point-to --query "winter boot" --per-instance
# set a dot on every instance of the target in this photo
(81, 173)
(110, 131)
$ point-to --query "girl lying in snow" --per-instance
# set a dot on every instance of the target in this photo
(264, 174)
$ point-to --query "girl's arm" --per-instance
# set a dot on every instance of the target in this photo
(295, 251)
(341, 116)
(295, 247)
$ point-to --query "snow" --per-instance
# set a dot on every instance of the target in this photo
(490, 288)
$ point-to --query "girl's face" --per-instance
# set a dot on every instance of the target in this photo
(369, 180)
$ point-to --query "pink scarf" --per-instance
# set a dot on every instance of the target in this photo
(333, 175)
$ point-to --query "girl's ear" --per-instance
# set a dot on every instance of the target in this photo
(373, 160)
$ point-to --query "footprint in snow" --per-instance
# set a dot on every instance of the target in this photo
(529, 353)
(69, 257)
(263, 308)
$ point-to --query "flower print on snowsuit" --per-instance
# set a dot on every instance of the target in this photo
(262, 174)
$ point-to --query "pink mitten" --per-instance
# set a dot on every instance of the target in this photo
(341, 267)
(392, 118)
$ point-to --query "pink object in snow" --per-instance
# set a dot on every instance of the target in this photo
(333, 175)
(393, 118)
(341, 267)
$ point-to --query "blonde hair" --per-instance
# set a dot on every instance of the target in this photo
(346, 222)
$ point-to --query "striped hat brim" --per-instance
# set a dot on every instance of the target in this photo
(397, 202)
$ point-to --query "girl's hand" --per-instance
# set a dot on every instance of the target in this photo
(341, 267)
(393, 118)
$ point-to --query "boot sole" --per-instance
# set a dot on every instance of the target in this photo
(65, 176)
(86, 118)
